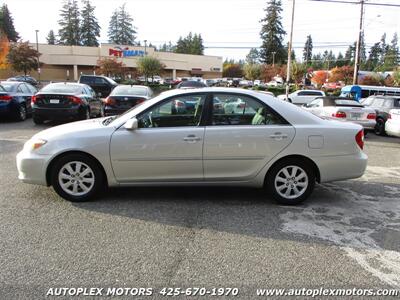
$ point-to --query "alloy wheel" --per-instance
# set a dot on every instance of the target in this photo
(76, 178)
(291, 182)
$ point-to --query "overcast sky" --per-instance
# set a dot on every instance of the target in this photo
(222, 23)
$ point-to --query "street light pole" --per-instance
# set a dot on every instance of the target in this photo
(357, 56)
(37, 49)
(145, 47)
(290, 52)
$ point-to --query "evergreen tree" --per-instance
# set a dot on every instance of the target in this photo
(391, 58)
(70, 31)
(7, 24)
(192, 44)
(272, 34)
(253, 57)
(373, 57)
(307, 52)
(340, 60)
(90, 28)
(51, 38)
(167, 47)
(120, 29)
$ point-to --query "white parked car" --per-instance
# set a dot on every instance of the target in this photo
(302, 96)
(278, 146)
(392, 125)
(342, 109)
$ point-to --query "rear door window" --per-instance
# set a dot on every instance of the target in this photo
(234, 109)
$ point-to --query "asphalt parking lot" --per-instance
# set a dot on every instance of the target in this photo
(347, 235)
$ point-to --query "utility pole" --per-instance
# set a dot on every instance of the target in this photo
(290, 52)
(145, 47)
(358, 46)
(273, 59)
(38, 61)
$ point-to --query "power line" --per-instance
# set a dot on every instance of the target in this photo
(358, 2)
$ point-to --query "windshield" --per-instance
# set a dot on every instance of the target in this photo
(111, 81)
(129, 91)
(133, 111)
(62, 88)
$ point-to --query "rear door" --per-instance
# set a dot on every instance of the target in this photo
(239, 143)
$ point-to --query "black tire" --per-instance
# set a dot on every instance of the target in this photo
(21, 112)
(290, 100)
(380, 127)
(305, 191)
(98, 176)
(37, 120)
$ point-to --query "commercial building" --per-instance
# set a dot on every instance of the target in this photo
(61, 63)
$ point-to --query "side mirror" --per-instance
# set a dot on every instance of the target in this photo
(131, 124)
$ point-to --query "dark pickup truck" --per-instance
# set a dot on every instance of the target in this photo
(102, 85)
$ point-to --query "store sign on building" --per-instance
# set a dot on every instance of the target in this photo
(124, 52)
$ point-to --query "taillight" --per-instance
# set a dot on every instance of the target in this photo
(5, 98)
(339, 114)
(360, 139)
(109, 101)
(138, 101)
(371, 116)
(75, 99)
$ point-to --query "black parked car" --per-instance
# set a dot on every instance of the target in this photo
(124, 97)
(102, 85)
(63, 101)
(23, 78)
(382, 106)
(15, 99)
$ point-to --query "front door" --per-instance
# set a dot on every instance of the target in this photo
(243, 136)
(167, 146)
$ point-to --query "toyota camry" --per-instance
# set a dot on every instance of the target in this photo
(266, 143)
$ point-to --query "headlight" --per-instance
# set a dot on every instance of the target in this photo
(34, 144)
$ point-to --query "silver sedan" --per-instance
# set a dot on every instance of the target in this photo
(268, 143)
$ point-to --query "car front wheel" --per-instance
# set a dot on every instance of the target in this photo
(380, 127)
(291, 182)
(77, 178)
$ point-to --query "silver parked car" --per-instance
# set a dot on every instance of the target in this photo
(275, 144)
(343, 109)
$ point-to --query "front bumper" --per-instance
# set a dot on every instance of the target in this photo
(32, 167)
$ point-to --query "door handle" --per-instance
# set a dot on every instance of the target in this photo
(278, 136)
(191, 138)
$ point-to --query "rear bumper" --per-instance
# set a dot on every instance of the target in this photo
(333, 168)
(112, 111)
(32, 167)
(392, 128)
(57, 113)
(368, 124)
(6, 108)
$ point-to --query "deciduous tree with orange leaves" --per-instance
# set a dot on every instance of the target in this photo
(344, 74)
(4, 48)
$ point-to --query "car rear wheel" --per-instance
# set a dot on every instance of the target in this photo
(77, 177)
(291, 181)
(380, 127)
(21, 112)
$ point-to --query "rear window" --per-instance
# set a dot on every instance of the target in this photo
(310, 93)
(62, 88)
(129, 91)
(340, 102)
(9, 87)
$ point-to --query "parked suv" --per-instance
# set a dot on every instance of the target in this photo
(382, 106)
(102, 85)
